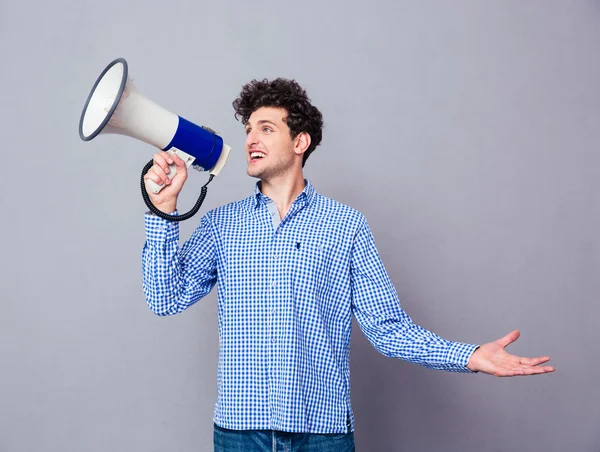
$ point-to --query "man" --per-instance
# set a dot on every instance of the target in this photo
(293, 267)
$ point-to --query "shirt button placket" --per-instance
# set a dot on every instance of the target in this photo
(272, 321)
(274, 304)
(274, 309)
(274, 263)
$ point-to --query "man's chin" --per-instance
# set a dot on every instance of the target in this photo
(253, 173)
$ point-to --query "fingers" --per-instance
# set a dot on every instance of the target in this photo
(157, 174)
(509, 338)
(160, 170)
(522, 366)
(524, 371)
(180, 169)
(178, 162)
(536, 370)
(163, 160)
(534, 361)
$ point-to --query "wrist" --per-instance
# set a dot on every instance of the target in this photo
(471, 363)
(167, 206)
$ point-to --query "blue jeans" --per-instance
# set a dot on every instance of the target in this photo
(226, 440)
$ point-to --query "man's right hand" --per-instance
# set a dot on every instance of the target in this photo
(166, 199)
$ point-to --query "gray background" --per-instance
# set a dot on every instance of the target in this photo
(467, 132)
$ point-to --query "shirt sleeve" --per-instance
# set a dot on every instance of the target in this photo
(390, 330)
(173, 278)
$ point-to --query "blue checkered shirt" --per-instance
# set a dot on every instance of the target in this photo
(286, 296)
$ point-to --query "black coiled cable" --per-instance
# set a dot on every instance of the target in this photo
(166, 216)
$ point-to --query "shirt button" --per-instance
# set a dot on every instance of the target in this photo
(273, 340)
(274, 284)
(275, 257)
(274, 310)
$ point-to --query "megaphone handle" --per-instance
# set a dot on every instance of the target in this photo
(188, 159)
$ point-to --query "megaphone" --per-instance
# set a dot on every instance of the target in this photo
(115, 106)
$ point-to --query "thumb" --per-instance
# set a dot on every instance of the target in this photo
(509, 338)
(179, 163)
(181, 170)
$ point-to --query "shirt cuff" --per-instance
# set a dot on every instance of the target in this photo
(159, 229)
(460, 353)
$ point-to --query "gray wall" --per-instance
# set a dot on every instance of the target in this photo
(467, 132)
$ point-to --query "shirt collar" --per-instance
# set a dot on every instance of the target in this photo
(305, 197)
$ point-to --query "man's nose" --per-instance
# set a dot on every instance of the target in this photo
(251, 138)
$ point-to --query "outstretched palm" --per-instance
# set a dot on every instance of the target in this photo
(491, 358)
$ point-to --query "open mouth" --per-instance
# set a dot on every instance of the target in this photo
(257, 155)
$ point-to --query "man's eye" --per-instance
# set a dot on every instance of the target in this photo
(267, 129)
(247, 131)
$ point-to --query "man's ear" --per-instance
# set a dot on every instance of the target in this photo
(301, 143)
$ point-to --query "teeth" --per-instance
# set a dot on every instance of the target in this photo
(256, 154)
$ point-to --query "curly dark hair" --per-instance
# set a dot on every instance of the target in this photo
(283, 93)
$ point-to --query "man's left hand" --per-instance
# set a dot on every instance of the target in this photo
(491, 358)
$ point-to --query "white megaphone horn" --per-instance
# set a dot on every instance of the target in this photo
(114, 105)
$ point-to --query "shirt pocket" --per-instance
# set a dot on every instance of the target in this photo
(310, 263)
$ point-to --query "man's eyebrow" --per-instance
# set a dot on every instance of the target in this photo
(263, 121)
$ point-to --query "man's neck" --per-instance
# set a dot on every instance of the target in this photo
(283, 191)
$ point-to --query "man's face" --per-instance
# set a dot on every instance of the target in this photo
(269, 146)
